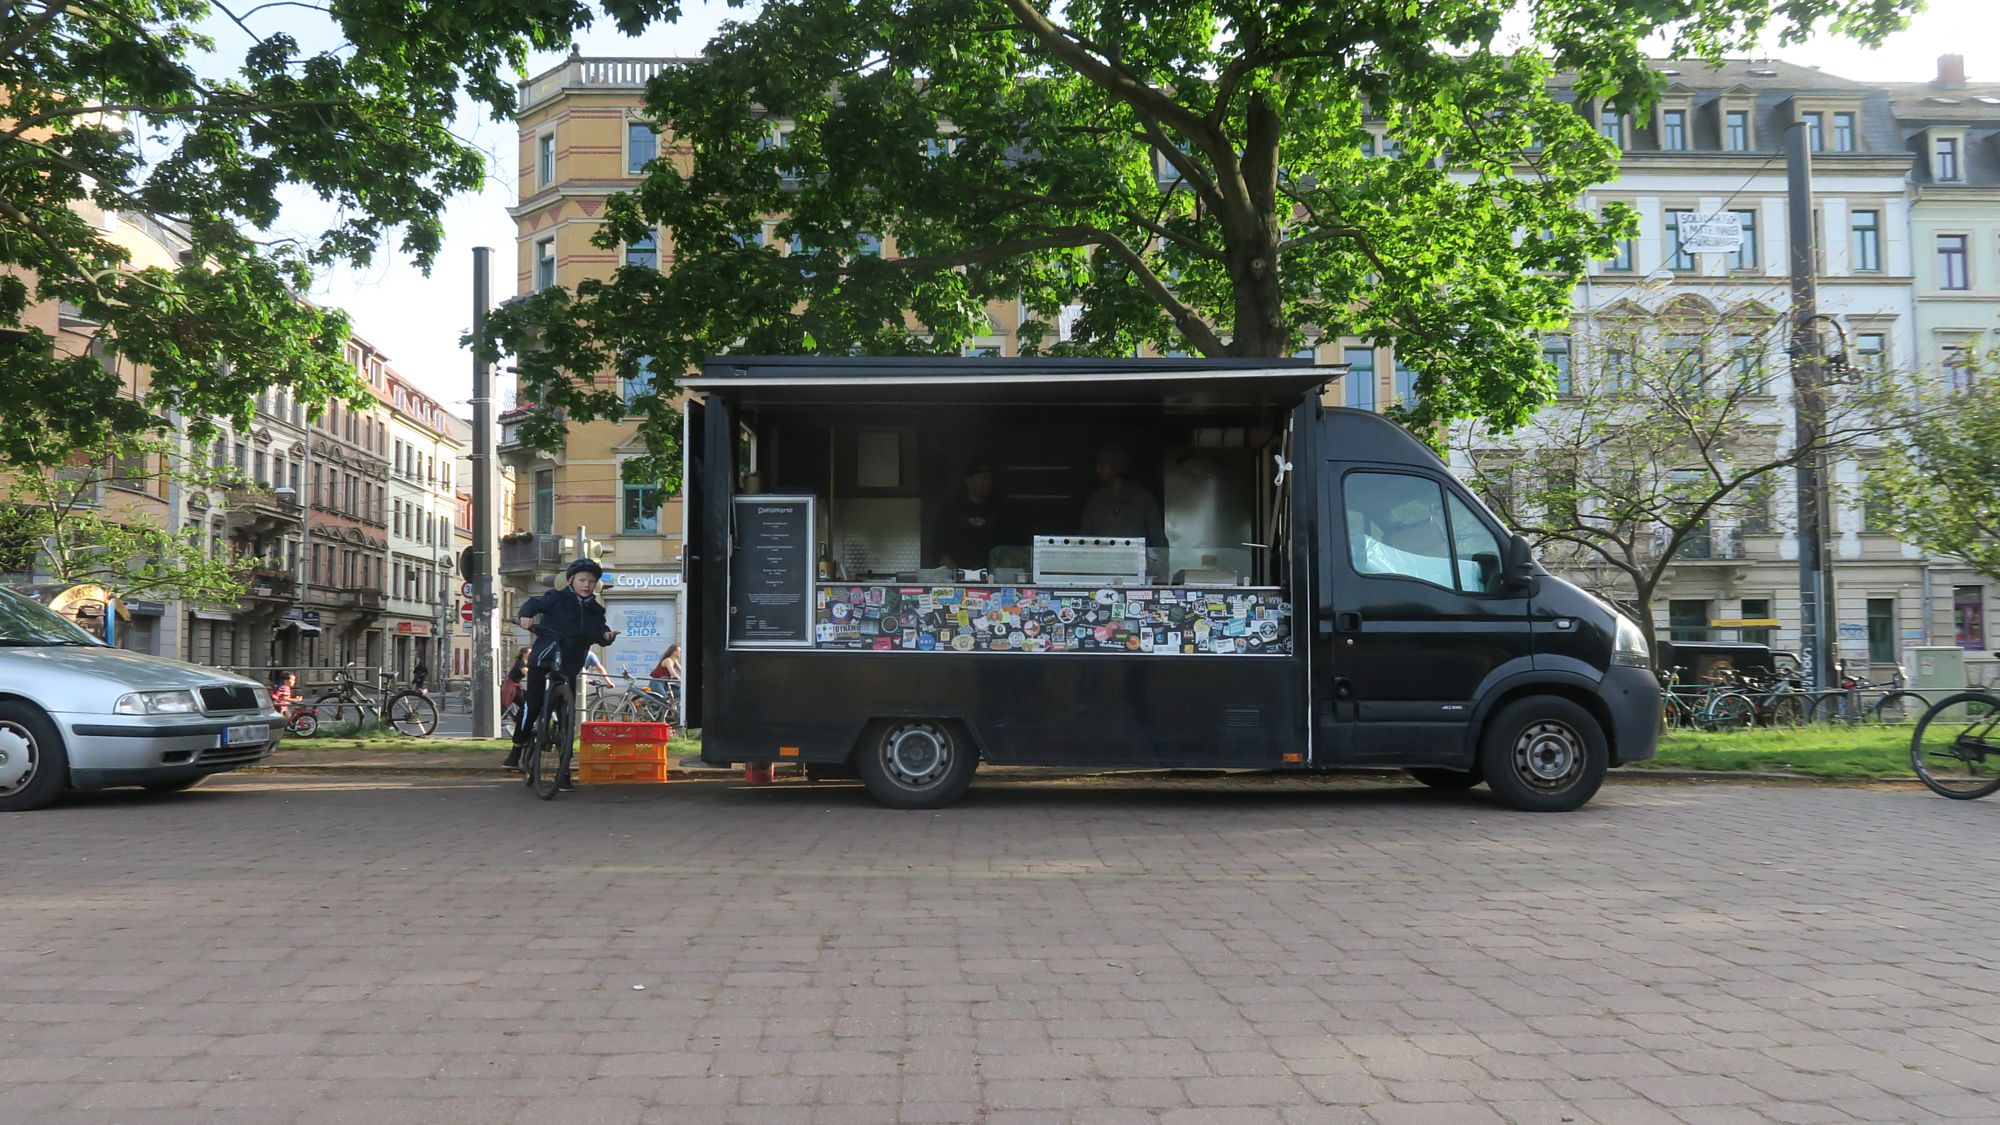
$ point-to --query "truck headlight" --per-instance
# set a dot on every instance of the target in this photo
(156, 703)
(1628, 646)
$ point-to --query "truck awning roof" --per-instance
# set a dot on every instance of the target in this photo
(924, 379)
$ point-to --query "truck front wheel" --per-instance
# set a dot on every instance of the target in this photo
(916, 763)
(1544, 754)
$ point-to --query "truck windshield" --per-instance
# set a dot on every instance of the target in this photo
(24, 622)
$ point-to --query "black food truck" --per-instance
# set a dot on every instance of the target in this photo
(898, 568)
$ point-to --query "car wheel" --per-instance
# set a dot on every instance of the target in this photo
(34, 769)
(916, 763)
(1544, 754)
(1444, 779)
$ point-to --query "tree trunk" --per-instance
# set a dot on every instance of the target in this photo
(1252, 238)
(1642, 603)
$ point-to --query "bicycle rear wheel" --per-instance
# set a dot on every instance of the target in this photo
(412, 714)
(555, 743)
(1956, 747)
(1834, 707)
(338, 716)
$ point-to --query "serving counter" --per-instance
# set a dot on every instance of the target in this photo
(1034, 620)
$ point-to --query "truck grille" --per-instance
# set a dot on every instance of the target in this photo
(228, 697)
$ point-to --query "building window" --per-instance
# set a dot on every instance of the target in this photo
(1745, 257)
(1870, 357)
(1674, 130)
(1736, 130)
(1881, 630)
(1747, 360)
(545, 159)
(1968, 616)
(545, 501)
(639, 385)
(1946, 163)
(1756, 609)
(1555, 353)
(1867, 253)
(1611, 126)
(1621, 259)
(1359, 382)
(644, 253)
(642, 509)
(1815, 131)
(1687, 619)
(1678, 256)
(1406, 384)
(1843, 132)
(545, 263)
(1620, 371)
(1951, 264)
(1957, 367)
(641, 145)
(1684, 358)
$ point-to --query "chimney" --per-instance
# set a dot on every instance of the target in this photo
(1951, 70)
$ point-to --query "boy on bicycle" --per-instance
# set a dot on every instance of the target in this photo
(572, 619)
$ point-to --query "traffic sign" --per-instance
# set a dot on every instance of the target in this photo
(465, 613)
(465, 591)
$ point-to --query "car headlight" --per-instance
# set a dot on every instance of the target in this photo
(263, 698)
(1629, 646)
(157, 703)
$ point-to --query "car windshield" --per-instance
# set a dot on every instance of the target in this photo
(25, 622)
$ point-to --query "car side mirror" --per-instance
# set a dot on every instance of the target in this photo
(1518, 572)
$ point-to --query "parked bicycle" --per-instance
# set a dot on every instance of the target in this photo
(637, 703)
(1778, 699)
(351, 707)
(1956, 747)
(1863, 702)
(1710, 706)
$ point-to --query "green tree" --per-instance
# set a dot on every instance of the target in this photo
(1676, 436)
(108, 104)
(82, 514)
(1194, 176)
(1934, 482)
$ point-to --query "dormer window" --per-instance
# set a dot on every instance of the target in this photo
(1815, 131)
(1844, 138)
(1674, 130)
(1945, 159)
(1611, 125)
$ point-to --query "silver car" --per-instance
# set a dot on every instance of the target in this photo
(75, 713)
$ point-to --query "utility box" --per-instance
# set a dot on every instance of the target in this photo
(1935, 668)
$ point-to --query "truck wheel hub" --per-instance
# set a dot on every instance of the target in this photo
(1548, 754)
(917, 754)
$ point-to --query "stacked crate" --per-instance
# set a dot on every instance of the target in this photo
(623, 753)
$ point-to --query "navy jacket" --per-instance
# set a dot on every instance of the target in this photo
(579, 621)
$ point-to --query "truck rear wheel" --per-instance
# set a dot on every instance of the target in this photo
(916, 763)
(1544, 754)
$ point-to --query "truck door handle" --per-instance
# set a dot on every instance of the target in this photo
(1349, 622)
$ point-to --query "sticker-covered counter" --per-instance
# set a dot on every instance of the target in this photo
(1032, 620)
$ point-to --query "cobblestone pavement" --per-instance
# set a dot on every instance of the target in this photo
(444, 950)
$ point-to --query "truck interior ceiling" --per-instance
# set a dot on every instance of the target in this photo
(960, 491)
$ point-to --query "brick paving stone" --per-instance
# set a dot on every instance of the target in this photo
(1105, 950)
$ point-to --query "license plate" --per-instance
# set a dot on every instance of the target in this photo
(239, 736)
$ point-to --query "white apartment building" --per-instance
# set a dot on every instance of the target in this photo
(424, 451)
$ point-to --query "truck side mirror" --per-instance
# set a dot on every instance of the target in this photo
(1519, 570)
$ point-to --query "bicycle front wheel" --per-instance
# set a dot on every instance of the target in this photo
(1834, 707)
(555, 743)
(1787, 711)
(339, 717)
(412, 714)
(1896, 707)
(1956, 750)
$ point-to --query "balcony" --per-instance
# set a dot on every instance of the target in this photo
(254, 510)
(530, 555)
(367, 601)
(266, 584)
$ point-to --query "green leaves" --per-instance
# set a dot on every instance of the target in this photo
(1220, 178)
(1933, 483)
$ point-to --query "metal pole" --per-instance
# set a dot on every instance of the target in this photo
(485, 525)
(1809, 411)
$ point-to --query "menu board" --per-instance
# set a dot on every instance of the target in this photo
(771, 571)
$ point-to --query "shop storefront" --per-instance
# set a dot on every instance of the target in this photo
(643, 607)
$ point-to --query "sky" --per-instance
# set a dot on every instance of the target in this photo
(417, 320)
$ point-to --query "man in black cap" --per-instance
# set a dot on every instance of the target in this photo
(972, 523)
(1121, 507)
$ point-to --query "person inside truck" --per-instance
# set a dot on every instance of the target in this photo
(1120, 506)
(973, 523)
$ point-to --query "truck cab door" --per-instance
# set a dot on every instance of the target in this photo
(1418, 616)
(694, 470)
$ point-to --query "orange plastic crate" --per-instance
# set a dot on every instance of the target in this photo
(621, 773)
(628, 732)
(622, 752)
